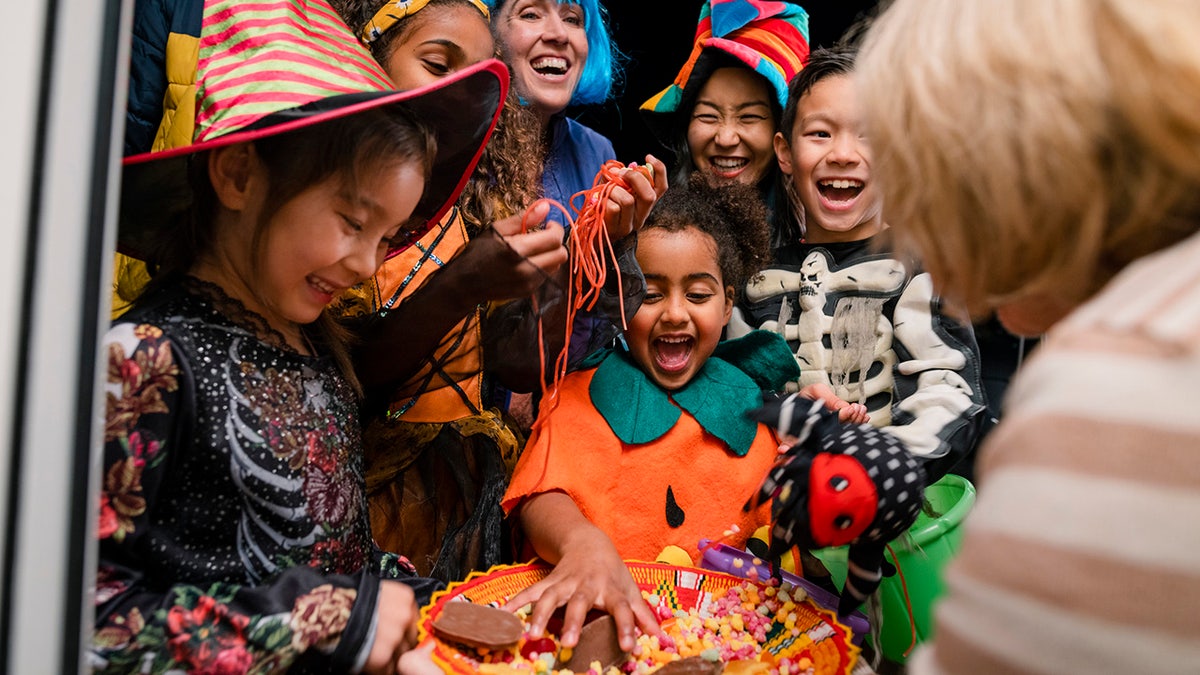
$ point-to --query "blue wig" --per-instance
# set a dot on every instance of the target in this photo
(603, 71)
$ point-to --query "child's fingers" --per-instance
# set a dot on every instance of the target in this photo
(540, 241)
(660, 174)
(512, 225)
(532, 217)
(644, 618)
(623, 616)
(543, 250)
(547, 262)
(577, 608)
(543, 608)
(528, 596)
(855, 413)
(418, 661)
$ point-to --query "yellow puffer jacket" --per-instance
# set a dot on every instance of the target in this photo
(162, 97)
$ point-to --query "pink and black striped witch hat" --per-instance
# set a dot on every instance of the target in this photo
(273, 66)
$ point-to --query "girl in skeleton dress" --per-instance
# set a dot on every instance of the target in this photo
(857, 318)
(233, 523)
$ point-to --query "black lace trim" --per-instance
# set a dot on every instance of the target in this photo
(237, 313)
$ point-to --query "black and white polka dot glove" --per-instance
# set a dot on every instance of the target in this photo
(839, 485)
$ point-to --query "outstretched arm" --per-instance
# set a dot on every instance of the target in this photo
(848, 413)
(587, 573)
(500, 264)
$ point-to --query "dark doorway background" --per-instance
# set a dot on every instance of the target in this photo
(656, 35)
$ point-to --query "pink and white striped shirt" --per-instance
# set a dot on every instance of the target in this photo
(1082, 554)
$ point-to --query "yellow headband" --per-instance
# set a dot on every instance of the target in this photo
(394, 10)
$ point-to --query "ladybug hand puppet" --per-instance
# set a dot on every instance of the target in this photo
(839, 484)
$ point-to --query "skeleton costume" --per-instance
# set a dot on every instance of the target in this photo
(870, 327)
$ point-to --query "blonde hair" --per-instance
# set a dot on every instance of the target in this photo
(1034, 147)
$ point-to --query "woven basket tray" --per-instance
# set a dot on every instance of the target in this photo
(684, 588)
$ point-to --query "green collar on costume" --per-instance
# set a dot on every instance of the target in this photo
(728, 386)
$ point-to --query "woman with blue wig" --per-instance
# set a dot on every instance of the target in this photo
(562, 55)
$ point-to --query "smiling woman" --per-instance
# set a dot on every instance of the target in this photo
(561, 54)
(722, 109)
(732, 125)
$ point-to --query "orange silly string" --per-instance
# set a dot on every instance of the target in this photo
(591, 252)
(912, 623)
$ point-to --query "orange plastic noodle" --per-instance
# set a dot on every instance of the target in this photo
(591, 252)
(912, 623)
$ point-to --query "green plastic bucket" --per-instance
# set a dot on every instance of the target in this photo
(920, 557)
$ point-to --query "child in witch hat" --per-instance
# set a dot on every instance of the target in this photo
(233, 522)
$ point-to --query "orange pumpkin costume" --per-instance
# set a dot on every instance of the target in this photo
(653, 468)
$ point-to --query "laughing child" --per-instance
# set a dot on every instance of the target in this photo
(651, 447)
(233, 518)
(858, 318)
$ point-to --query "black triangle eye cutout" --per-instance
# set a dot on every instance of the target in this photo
(675, 515)
(838, 483)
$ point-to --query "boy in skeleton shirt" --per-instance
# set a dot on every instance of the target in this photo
(859, 320)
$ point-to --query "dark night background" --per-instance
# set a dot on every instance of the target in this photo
(656, 36)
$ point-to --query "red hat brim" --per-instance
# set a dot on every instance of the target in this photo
(460, 109)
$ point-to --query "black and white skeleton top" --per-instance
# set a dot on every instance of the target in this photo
(870, 326)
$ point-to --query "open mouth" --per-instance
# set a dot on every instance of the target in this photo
(550, 65)
(672, 354)
(322, 287)
(728, 167)
(841, 190)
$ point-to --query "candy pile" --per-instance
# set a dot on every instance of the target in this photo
(742, 628)
(736, 626)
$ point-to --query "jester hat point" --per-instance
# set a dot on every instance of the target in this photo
(770, 38)
(286, 65)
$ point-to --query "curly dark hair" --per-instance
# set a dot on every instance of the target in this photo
(508, 177)
(732, 214)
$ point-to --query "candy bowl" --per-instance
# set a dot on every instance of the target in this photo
(737, 624)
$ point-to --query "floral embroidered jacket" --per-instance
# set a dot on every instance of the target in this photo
(233, 523)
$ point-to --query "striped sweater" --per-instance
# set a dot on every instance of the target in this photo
(1082, 554)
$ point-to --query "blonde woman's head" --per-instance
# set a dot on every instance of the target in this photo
(1033, 148)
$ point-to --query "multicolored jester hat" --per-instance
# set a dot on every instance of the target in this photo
(839, 484)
